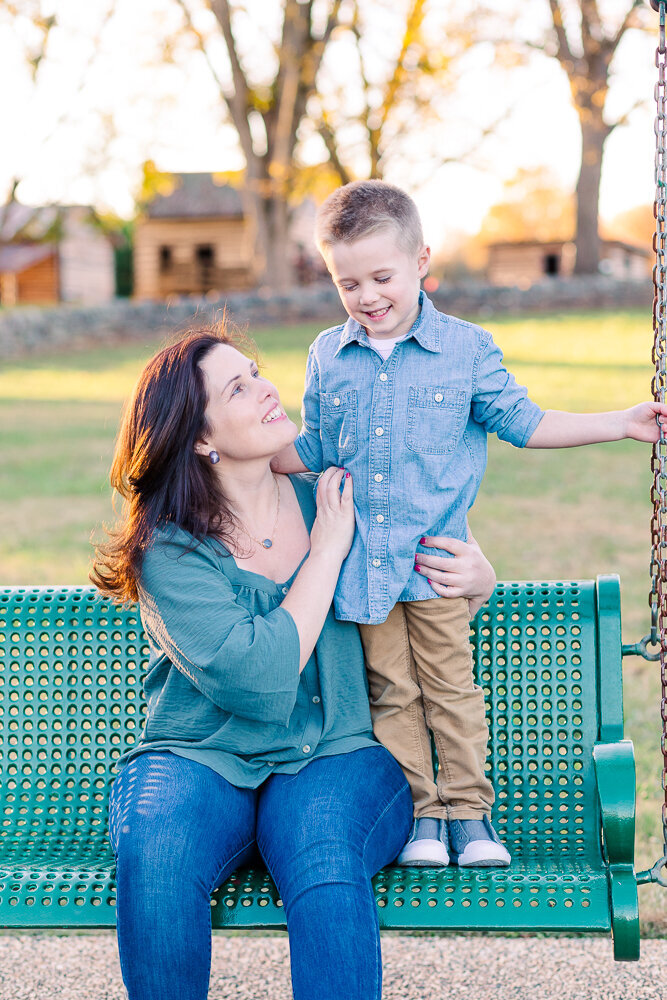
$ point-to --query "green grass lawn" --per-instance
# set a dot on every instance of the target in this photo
(540, 515)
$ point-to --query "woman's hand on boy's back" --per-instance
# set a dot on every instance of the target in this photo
(467, 573)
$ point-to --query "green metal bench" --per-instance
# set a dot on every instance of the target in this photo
(548, 656)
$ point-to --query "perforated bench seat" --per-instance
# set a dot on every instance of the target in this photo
(548, 656)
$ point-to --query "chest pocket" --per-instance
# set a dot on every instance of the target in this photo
(338, 415)
(435, 419)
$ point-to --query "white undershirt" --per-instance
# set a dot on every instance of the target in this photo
(385, 346)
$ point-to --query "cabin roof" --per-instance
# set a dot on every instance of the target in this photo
(196, 196)
(19, 257)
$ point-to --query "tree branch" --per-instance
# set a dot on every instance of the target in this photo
(415, 19)
(280, 119)
(627, 23)
(563, 52)
(592, 35)
(238, 101)
(201, 44)
(329, 139)
(4, 209)
(372, 133)
(310, 61)
(623, 120)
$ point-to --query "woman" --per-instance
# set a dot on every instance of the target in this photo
(258, 733)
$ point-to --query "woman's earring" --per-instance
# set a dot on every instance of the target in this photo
(214, 458)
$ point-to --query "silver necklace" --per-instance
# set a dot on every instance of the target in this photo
(266, 543)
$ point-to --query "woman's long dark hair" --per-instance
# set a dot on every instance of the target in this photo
(156, 469)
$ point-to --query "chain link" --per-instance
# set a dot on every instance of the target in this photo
(658, 568)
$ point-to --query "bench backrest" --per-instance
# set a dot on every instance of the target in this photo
(71, 665)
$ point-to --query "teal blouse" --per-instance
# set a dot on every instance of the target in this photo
(223, 685)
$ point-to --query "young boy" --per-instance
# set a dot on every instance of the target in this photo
(403, 397)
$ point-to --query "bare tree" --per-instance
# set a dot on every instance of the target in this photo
(380, 99)
(266, 115)
(35, 52)
(586, 52)
(33, 33)
(359, 105)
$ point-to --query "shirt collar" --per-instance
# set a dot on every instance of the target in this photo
(424, 330)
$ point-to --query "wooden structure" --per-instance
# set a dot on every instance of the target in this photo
(29, 273)
(52, 254)
(194, 240)
(525, 263)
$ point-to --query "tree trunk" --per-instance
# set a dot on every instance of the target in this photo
(272, 264)
(588, 194)
(279, 273)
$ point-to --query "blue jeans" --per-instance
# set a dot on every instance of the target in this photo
(179, 829)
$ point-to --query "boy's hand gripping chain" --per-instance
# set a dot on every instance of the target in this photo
(658, 595)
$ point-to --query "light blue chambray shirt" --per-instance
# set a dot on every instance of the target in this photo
(412, 432)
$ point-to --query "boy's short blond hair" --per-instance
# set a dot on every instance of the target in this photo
(363, 208)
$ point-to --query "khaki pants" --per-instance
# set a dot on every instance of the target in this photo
(419, 666)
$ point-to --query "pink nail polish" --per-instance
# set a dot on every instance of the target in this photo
(428, 581)
(422, 541)
(347, 475)
(417, 569)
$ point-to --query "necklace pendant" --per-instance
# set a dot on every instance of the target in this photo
(267, 543)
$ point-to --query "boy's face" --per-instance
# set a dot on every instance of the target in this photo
(378, 282)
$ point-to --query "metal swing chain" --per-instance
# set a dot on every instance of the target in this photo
(658, 567)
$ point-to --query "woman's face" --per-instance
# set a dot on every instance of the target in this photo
(243, 410)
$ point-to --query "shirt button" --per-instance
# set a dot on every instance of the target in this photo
(285, 590)
(376, 563)
(383, 376)
(379, 431)
(316, 700)
(336, 401)
(271, 763)
(306, 749)
(378, 477)
(379, 518)
(439, 397)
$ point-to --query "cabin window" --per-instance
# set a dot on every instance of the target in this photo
(552, 264)
(204, 253)
(166, 259)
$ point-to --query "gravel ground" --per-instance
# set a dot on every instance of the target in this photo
(85, 967)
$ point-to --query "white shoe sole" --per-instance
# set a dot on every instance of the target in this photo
(484, 854)
(424, 853)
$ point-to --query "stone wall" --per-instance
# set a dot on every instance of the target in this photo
(31, 330)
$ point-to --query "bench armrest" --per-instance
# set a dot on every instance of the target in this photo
(615, 773)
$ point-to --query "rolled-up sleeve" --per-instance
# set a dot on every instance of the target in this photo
(309, 443)
(499, 403)
(247, 665)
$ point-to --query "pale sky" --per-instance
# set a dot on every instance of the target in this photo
(65, 152)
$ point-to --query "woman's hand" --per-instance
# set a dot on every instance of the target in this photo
(309, 598)
(333, 529)
(467, 574)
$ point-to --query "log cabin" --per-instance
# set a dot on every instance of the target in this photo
(54, 253)
(521, 264)
(193, 240)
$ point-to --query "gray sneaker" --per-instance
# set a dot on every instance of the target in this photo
(428, 845)
(473, 843)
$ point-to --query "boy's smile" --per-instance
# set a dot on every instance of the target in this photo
(378, 282)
